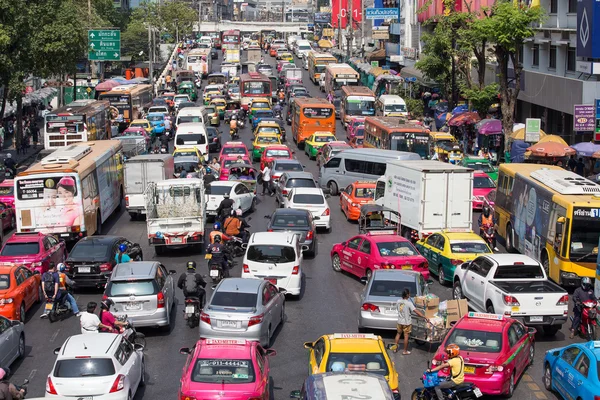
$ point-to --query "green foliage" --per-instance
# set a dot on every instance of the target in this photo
(481, 99)
(169, 17)
(135, 39)
(415, 107)
(435, 59)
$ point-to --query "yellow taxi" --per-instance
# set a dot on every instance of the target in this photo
(187, 151)
(343, 352)
(261, 141)
(234, 80)
(313, 144)
(220, 104)
(286, 57)
(259, 104)
(143, 123)
(268, 127)
(209, 93)
(448, 249)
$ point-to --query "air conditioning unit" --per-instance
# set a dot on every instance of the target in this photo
(67, 154)
(566, 182)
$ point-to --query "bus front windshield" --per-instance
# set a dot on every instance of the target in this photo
(319, 69)
(584, 237)
(360, 106)
(257, 88)
(412, 143)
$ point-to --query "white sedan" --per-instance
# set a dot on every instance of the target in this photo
(313, 200)
(105, 366)
(240, 194)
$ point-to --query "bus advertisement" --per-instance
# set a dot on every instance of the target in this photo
(126, 102)
(254, 85)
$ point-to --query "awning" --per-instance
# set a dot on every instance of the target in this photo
(376, 55)
(409, 72)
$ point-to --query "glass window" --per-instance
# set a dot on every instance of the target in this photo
(583, 365)
(553, 6)
(4, 281)
(19, 277)
(571, 57)
(298, 182)
(460, 247)
(572, 6)
(365, 247)
(519, 272)
(271, 254)
(536, 55)
(513, 338)
(441, 243)
(364, 193)
(391, 288)
(290, 221)
(319, 350)
(483, 182)
(552, 56)
(333, 163)
(368, 362)
(90, 249)
(266, 296)
(136, 288)
(218, 190)
(357, 166)
(233, 299)
(309, 199)
(396, 249)
(570, 354)
(432, 240)
(353, 244)
(476, 341)
(475, 266)
(20, 249)
(223, 370)
(84, 367)
(4, 323)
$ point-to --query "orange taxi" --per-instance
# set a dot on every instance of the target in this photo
(354, 196)
(20, 289)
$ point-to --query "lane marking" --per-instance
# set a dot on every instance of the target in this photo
(533, 386)
(527, 378)
(32, 374)
(540, 395)
(54, 335)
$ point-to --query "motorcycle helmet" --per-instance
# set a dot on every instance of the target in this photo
(106, 304)
(61, 267)
(191, 265)
(217, 238)
(122, 247)
(586, 283)
(486, 211)
(452, 350)
(217, 226)
(226, 196)
(232, 213)
(208, 170)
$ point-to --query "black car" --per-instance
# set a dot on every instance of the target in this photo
(214, 139)
(214, 54)
(92, 259)
(337, 103)
(297, 221)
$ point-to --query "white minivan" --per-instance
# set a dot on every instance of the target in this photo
(390, 105)
(192, 135)
(192, 115)
(302, 47)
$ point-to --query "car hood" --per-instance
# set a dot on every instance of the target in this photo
(482, 191)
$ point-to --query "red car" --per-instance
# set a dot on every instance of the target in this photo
(34, 250)
(234, 149)
(272, 152)
(354, 125)
(226, 161)
(357, 142)
(496, 350)
(7, 192)
(364, 253)
(482, 186)
(7, 215)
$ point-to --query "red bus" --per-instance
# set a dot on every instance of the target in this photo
(231, 39)
(254, 85)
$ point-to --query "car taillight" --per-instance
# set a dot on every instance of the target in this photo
(511, 300)
(255, 320)
(246, 269)
(184, 397)
(310, 235)
(424, 265)
(106, 267)
(284, 192)
(205, 318)
(370, 307)
(494, 368)
(269, 230)
(118, 384)
(160, 300)
(126, 201)
(564, 301)
(50, 387)
(325, 213)
(388, 266)
(104, 297)
(295, 270)
(354, 205)
(456, 262)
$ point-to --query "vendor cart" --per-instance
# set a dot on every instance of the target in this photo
(425, 332)
(374, 217)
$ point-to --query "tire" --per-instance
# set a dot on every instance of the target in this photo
(510, 239)
(21, 346)
(369, 274)
(551, 330)
(98, 223)
(592, 332)
(546, 264)
(547, 378)
(159, 250)
(52, 317)
(191, 323)
(490, 309)
(22, 312)
(441, 278)
(143, 377)
(253, 205)
(531, 357)
(282, 314)
(133, 216)
(457, 292)
(40, 295)
(415, 396)
(511, 387)
(268, 342)
(336, 263)
(419, 342)
(333, 188)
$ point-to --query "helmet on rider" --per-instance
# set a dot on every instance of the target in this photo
(4, 373)
(232, 213)
(217, 239)
(586, 283)
(452, 350)
(217, 226)
(105, 304)
(208, 170)
(122, 247)
(226, 196)
(191, 265)
(234, 116)
(61, 267)
(486, 211)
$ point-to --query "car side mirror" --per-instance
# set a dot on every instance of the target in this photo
(326, 191)
(56, 351)
(172, 271)
(316, 218)
(16, 323)
(308, 345)
(327, 196)
(344, 244)
(184, 350)
(271, 352)
(364, 280)
(267, 217)
(244, 246)
(531, 330)
(465, 265)
(295, 394)
(281, 290)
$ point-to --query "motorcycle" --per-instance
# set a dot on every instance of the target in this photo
(488, 234)
(234, 134)
(234, 246)
(57, 309)
(130, 333)
(464, 391)
(164, 149)
(241, 123)
(192, 311)
(587, 326)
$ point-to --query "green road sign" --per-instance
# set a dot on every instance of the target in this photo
(104, 45)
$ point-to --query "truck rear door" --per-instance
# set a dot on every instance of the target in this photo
(460, 190)
(433, 210)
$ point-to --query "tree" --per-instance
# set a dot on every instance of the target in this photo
(134, 39)
(435, 58)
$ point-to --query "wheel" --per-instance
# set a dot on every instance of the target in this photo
(457, 292)
(419, 342)
(253, 205)
(52, 317)
(22, 312)
(336, 263)
(441, 277)
(490, 309)
(282, 313)
(191, 322)
(268, 342)
(531, 355)
(133, 216)
(40, 295)
(509, 239)
(140, 338)
(511, 387)
(143, 377)
(369, 274)
(592, 332)
(548, 378)
(551, 330)
(21, 346)
(416, 396)
(333, 188)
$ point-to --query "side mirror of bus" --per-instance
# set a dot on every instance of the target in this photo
(559, 227)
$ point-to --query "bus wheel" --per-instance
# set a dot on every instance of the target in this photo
(546, 264)
(509, 239)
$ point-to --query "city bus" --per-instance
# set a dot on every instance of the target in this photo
(393, 133)
(199, 61)
(551, 215)
(317, 62)
(127, 102)
(310, 115)
(357, 101)
(231, 39)
(338, 75)
(79, 121)
(72, 191)
(254, 85)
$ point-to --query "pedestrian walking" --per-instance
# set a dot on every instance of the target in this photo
(266, 178)
(35, 133)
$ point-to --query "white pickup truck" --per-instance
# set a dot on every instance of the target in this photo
(513, 285)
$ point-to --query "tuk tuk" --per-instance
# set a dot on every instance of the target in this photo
(231, 108)
(374, 217)
(220, 103)
(244, 173)
(217, 79)
(437, 138)
(450, 152)
(213, 115)
(189, 89)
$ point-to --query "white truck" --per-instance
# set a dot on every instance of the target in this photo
(429, 195)
(232, 56)
(515, 286)
(139, 172)
(175, 213)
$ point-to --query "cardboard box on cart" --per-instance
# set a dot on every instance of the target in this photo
(455, 310)
(429, 306)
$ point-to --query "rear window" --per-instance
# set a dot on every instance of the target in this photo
(391, 288)
(190, 138)
(364, 193)
(271, 254)
(223, 371)
(324, 139)
(309, 199)
(233, 299)
(4, 281)
(469, 247)
(234, 150)
(518, 272)
(90, 249)
(83, 367)
(267, 139)
(476, 341)
(374, 363)
(277, 153)
(290, 221)
(217, 190)
(20, 249)
(298, 182)
(135, 288)
(190, 118)
(288, 167)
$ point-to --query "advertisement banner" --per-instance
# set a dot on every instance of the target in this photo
(588, 28)
(339, 10)
(356, 13)
(584, 118)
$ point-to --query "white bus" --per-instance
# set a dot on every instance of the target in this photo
(199, 61)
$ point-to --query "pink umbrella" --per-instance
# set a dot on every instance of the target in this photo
(489, 127)
(106, 85)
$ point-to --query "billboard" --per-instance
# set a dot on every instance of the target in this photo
(588, 28)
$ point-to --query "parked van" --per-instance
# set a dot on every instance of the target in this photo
(139, 172)
(390, 105)
(337, 385)
(192, 135)
(192, 115)
(354, 165)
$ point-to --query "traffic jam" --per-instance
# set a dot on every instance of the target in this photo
(189, 254)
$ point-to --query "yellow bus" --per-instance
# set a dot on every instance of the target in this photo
(127, 101)
(317, 62)
(72, 191)
(551, 215)
(394, 133)
(338, 75)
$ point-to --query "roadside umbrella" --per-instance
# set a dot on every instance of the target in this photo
(489, 127)
(586, 149)
(553, 139)
(106, 85)
(518, 126)
(519, 134)
(466, 118)
(460, 109)
(550, 149)
(596, 154)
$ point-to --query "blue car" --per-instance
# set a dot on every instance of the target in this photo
(258, 115)
(158, 122)
(574, 371)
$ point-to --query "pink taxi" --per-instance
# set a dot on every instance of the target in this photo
(7, 192)
(482, 186)
(234, 149)
(496, 349)
(226, 161)
(34, 250)
(363, 253)
(353, 126)
(226, 369)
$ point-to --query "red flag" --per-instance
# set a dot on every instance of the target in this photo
(356, 13)
(339, 8)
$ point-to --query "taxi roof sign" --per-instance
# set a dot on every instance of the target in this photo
(382, 232)
(354, 336)
(493, 317)
(596, 344)
(225, 341)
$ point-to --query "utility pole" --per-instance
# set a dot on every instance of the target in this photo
(349, 30)
(362, 27)
(340, 29)
(199, 15)
(150, 52)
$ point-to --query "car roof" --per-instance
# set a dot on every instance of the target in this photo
(354, 343)
(100, 239)
(305, 190)
(299, 175)
(480, 322)
(224, 183)
(379, 237)
(463, 236)
(234, 144)
(509, 259)
(242, 285)
(277, 147)
(267, 134)
(363, 184)
(6, 269)
(291, 211)
(26, 237)
(225, 348)
(270, 238)
(134, 270)
(286, 161)
(395, 275)
(337, 143)
(262, 123)
(96, 345)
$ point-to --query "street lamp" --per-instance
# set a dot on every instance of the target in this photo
(176, 30)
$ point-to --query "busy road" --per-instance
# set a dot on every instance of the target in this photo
(328, 303)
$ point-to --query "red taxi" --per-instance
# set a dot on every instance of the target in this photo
(226, 369)
(234, 149)
(354, 196)
(7, 192)
(227, 161)
(272, 152)
(7, 216)
(354, 125)
(357, 142)
(482, 186)
(363, 253)
(496, 350)
(19, 290)
(35, 250)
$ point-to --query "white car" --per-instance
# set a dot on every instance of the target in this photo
(239, 193)
(322, 82)
(277, 258)
(313, 200)
(180, 98)
(105, 366)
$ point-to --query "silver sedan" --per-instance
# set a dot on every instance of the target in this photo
(243, 309)
(12, 341)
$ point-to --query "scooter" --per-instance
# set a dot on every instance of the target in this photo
(587, 326)
(57, 309)
(464, 391)
(234, 246)
(215, 270)
(234, 134)
(193, 308)
(488, 234)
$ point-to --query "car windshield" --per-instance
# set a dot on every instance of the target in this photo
(4, 281)
(483, 182)
(364, 193)
(134, 288)
(233, 299)
(396, 249)
(20, 249)
(519, 271)
(90, 249)
(461, 247)
(324, 139)
(306, 198)
(374, 363)
(484, 167)
(142, 125)
(223, 371)
(155, 118)
(277, 153)
(271, 254)
(217, 190)
(391, 288)
(584, 236)
(234, 150)
(267, 139)
(360, 107)
(395, 108)
(287, 167)
(297, 182)
(290, 221)
(476, 341)
(191, 138)
(6, 190)
(84, 367)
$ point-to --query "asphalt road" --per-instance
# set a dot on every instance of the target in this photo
(329, 304)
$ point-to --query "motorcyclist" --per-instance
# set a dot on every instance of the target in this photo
(219, 255)
(225, 207)
(122, 256)
(8, 391)
(233, 125)
(235, 225)
(10, 164)
(217, 232)
(192, 283)
(457, 370)
(208, 177)
(277, 110)
(108, 319)
(63, 282)
(582, 294)
(486, 219)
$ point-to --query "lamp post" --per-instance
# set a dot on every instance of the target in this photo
(177, 30)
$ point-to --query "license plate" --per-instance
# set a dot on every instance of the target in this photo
(48, 306)
(176, 240)
(137, 306)
(208, 256)
(407, 267)
(273, 281)
(536, 319)
(390, 310)
(477, 392)
(229, 324)
(214, 273)
(65, 235)
(189, 309)
(85, 398)
(84, 270)
(469, 370)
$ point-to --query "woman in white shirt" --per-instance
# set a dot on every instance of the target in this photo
(89, 321)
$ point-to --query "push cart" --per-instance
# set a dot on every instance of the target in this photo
(424, 332)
